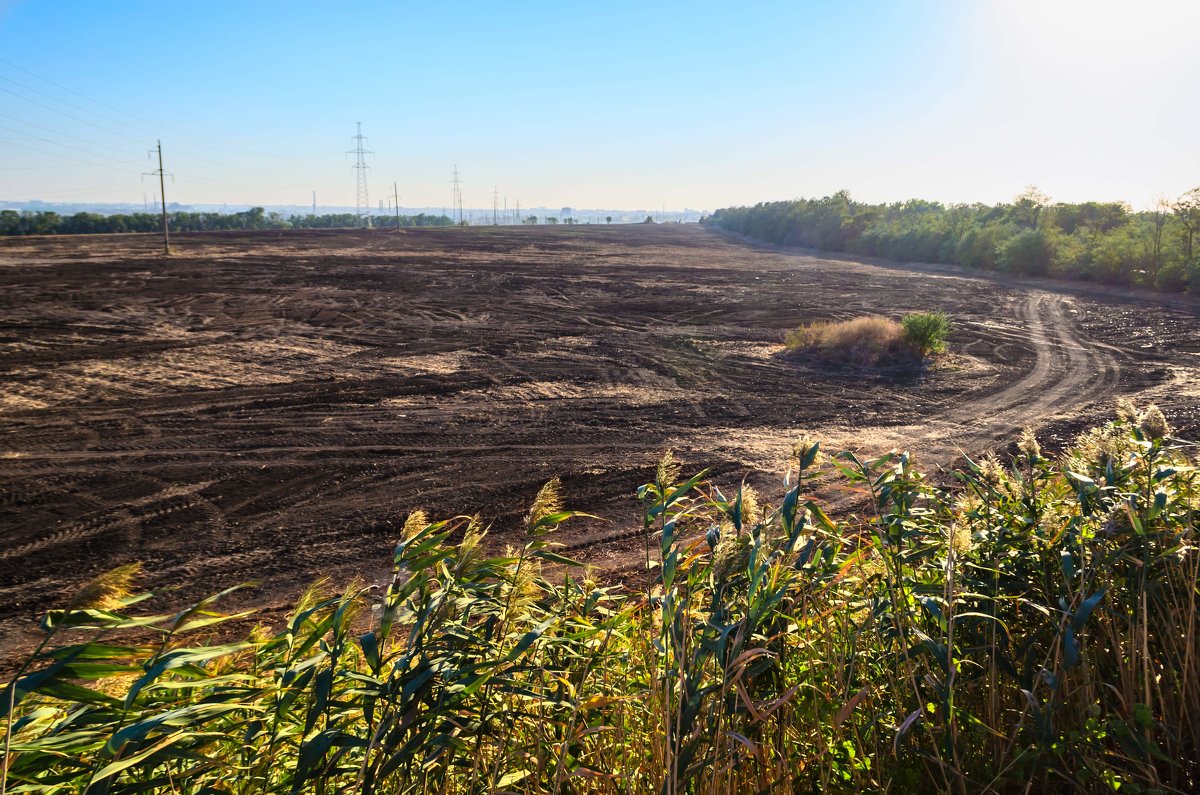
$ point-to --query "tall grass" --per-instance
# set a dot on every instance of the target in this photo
(1032, 630)
(865, 341)
(873, 340)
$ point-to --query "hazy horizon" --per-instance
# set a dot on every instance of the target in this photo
(682, 105)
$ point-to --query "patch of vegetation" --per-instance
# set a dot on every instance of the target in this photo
(1034, 630)
(872, 340)
(51, 223)
(926, 332)
(1094, 241)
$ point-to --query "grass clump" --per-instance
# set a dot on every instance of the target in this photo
(872, 340)
(1034, 630)
(864, 341)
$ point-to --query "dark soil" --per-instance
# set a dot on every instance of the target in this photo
(269, 407)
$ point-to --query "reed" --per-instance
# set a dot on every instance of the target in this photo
(1032, 630)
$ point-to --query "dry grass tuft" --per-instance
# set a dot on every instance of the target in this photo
(869, 341)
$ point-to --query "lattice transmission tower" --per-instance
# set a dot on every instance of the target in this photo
(362, 203)
(458, 200)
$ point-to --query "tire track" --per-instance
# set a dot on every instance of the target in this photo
(457, 371)
(1070, 372)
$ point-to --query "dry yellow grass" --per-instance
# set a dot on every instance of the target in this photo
(866, 341)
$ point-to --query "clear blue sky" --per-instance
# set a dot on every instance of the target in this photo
(602, 104)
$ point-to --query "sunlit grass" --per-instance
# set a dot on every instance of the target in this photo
(872, 340)
(1032, 630)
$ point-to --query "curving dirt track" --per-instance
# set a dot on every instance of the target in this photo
(1069, 372)
(270, 407)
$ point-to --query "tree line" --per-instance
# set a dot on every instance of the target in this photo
(1106, 242)
(13, 222)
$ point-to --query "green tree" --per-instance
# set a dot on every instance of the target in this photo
(1028, 252)
(1187, 212)
(1029, 206)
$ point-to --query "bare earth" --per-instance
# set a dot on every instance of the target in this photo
(271, 406)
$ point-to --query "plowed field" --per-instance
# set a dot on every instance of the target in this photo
(270, 406)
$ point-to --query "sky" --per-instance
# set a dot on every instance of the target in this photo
(600, 105)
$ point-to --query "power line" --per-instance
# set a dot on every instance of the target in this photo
(62, 134)
(199, 141)
(68, 115)
(208, 163)
(69, 104)
(65, 146)
(53, 154)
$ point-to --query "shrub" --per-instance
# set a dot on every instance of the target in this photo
(865, 341)
(926, 332)
(1172, 277)
(1034, 630)
(1029, 252)
(872, 341)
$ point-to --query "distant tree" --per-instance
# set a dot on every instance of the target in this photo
(608, 219)
(1159, 215)
(1028, 252)
(532, 220)
(1103, 241)
(1029, 205)
(1187, 212)
(550, 219)
(1094, 216)
(649, 219)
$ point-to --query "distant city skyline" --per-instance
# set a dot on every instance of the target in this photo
(623, 104)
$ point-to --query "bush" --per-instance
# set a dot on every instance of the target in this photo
(1034, 630)
(1171, 278)
(864, 341)
(926, 332)
(1030, 252)
(872, 341)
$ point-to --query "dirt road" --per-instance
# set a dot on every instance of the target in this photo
(270, 407)
(1070, 374)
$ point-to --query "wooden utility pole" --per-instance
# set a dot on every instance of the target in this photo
(162, 192)
(162, 186)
